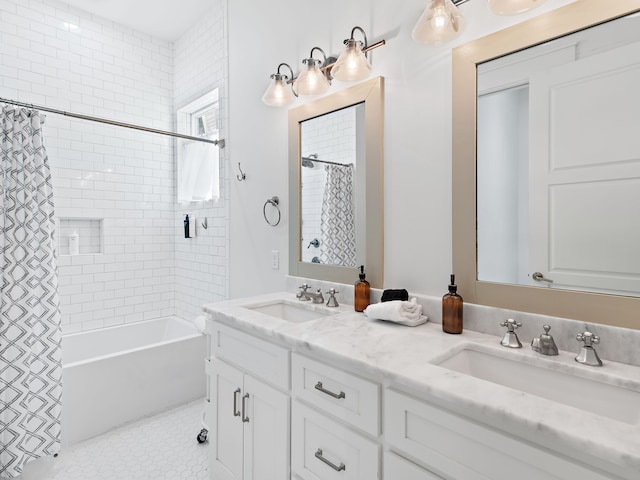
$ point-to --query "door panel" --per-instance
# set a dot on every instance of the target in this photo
(585, 174)
(225, 435)
(266, 431)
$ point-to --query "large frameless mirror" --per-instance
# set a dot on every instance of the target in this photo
(552, 207)
(335, 169)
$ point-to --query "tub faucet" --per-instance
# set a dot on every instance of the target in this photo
(510, 338)
(588, 354)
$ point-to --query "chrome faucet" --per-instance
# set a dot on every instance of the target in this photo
(302, 293)
(545, 344)
(333, 301)
(510, 338)
(304, 296)
(588, 354)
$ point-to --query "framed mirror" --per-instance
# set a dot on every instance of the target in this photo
(546, 167)
(336, 185)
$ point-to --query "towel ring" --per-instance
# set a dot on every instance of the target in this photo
(273, 201)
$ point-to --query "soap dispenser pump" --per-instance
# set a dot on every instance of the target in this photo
(362, 292)
(452, 309)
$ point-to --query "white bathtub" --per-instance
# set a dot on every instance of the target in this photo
(119, 374)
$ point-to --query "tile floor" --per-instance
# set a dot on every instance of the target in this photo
(162, 447)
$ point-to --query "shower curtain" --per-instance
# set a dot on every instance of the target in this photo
(30, 336)
(338, 221)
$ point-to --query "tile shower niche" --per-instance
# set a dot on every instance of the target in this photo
(89, 232)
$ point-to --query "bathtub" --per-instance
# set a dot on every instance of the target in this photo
(120, 374)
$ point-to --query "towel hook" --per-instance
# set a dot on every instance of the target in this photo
(242, 175)
(273, 201)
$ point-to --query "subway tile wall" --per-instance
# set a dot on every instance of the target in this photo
(201, 262)
(58, 56)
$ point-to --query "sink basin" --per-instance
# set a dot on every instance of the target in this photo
(292, 312)
(590, 395)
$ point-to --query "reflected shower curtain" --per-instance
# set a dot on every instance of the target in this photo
(30, 336)
(338, 220)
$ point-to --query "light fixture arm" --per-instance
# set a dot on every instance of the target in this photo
(364, 35)
(291, 78)
(324, 62)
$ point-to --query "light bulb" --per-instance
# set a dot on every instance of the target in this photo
(440, 22)
(352, 64)
(440, 18)
(312, 81)
(278, 93)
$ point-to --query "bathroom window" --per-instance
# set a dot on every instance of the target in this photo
(198, 166)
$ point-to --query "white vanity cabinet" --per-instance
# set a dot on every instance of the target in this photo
(326, 449)
(249, 420)
(465, 450)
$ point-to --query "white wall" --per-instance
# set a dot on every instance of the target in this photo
(201, 262)
(417, 130)
(58, 56)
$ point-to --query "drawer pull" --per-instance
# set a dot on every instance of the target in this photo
(236, 412)
(324, 390)
(244, 417)
(332, 465)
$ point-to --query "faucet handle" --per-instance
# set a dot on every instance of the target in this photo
(588, 354)
(511, 324)
(332, 302)
(588, 338)
(304, 287)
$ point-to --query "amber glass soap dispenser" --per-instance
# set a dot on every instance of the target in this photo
(361, 291)
(452, 309)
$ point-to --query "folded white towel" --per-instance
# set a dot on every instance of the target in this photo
(397, 311)
(200, 323)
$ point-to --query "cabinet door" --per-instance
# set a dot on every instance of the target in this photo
(266, 431)
(225, 436)
(396, 467)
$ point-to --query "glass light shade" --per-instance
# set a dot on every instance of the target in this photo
(312, 80)
(440, 22)
(513, 7)
(352, 65)
(279, 93)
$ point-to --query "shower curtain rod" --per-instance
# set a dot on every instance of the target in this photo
(219, 143)
(311, 159)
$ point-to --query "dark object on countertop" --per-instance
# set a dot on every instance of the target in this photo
(395, 294)
(361, 292)
(452, 307)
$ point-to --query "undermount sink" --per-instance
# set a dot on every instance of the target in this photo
(590, 395)
(292, 312)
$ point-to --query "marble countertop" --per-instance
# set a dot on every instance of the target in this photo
(405, 357)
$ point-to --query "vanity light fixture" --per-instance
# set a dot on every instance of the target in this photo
(440, 22)
(280, 93)
(313, 79)
(513, 7)
(352, 64)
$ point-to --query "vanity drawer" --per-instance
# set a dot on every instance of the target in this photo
(397, 468)
(352, 456)
(465, 450)
(357, 402)
(264, 359)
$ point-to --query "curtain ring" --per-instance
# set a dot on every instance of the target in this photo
(274, 201)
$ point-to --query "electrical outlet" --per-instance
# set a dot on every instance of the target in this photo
(275, 259)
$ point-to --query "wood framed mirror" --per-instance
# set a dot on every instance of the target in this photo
(614, 308)
(336, 185)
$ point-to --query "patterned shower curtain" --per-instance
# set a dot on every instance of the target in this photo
(30, 336)
(338, 221)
